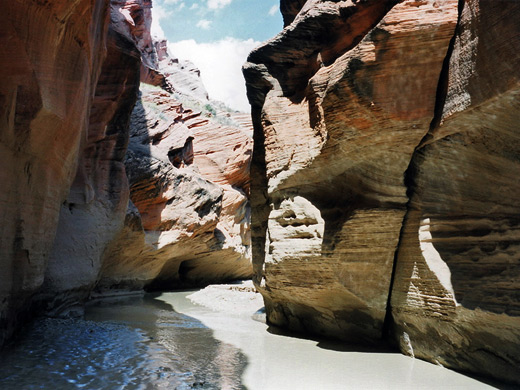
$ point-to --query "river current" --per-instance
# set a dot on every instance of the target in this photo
(167, 342)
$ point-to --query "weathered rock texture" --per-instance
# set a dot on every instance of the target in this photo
(95, 208)
(456, 296)
(188, 220)
(71, 74)
(70, 82)
(385, 171)
(188, 223)
(51, 57)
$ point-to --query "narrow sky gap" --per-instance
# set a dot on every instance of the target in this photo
(217, 36)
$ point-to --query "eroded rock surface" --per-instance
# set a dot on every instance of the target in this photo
(95, 208)
(385, 136)
(456, 293)
(72, 74)
(188, 170)
(51, 58)
(340, 126)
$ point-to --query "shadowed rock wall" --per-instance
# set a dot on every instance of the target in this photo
(384, 176)
(188, 221)
(455, 298)
(50, 61)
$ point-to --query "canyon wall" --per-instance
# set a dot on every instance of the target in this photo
(188, 161)
(71, 78)
(188, 220)
(51, 59)
(95, 207)
(384, 176)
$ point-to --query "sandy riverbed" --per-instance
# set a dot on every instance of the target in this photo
(283, 362)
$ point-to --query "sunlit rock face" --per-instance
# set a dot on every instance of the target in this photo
(385, 136)
(348, 92)
(456, 290)
(188, 169)
(51, 58)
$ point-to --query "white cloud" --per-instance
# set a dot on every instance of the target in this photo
(159, 13)
(171, 1)
(194, 6)
(220, 65)
(216, 4)
(273, 10)
(204, 24)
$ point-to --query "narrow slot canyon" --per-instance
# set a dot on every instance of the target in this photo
(230, 194)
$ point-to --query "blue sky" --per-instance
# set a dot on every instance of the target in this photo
(217, 35)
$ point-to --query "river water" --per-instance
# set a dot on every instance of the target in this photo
(168, 342)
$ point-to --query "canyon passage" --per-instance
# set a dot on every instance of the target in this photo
(369, 198)
(203, 339)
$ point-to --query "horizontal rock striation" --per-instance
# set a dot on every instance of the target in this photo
(72, 75)
(384, 176)
(188, 168)
(188, 223)
(456, 295)
(340, 125)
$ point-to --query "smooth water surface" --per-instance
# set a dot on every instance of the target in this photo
(167, 342)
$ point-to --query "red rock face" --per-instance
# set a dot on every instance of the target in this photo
(96, 205)
(50, 61)
(189, 181)
(334, 171)
(188, 219)
(385, 133)
(71, 83)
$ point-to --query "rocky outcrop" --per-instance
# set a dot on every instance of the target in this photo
(72, 74)
(382, 187)
(188, 168)
(188, 223)
(51, 58)
(334, 171)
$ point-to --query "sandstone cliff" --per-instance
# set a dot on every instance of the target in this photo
(188, 222)
(51, 58)
(95, 207)
(384, 176)
(188, 169)
(71, 74)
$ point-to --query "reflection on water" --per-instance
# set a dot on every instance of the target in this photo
(143, 343)
(139, 343)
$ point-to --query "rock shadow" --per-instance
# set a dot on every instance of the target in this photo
(333, 344)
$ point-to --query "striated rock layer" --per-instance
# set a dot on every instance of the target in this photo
(456, 296)
(340, 127)
(95, 208)
(188, 222)
(71, 80)
(384, 176)
(188, 219)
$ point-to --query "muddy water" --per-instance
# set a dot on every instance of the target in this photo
(167, 342)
